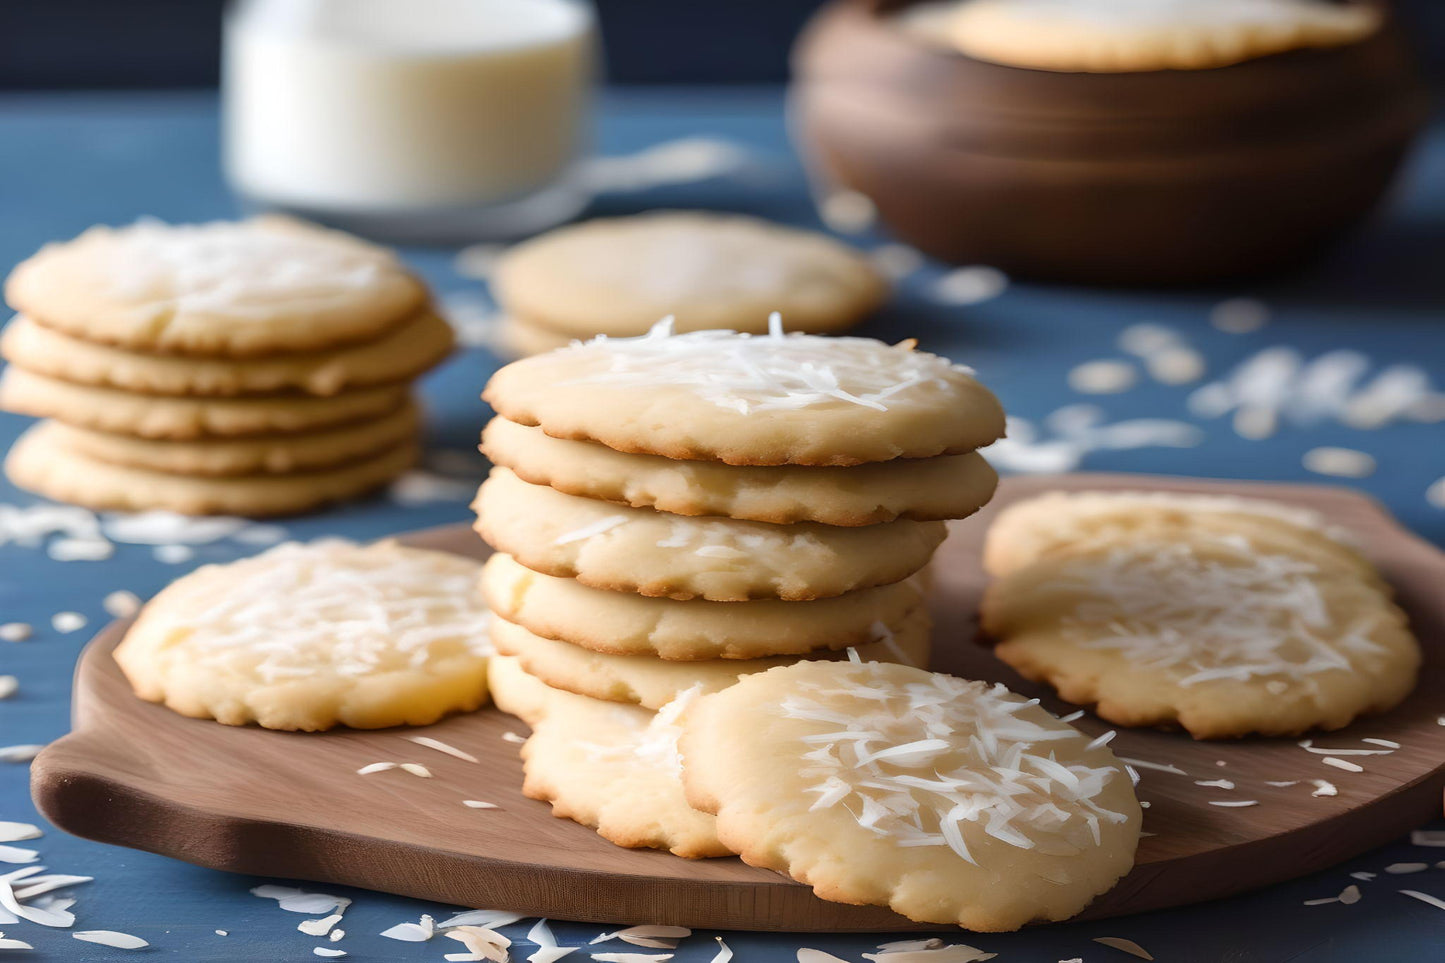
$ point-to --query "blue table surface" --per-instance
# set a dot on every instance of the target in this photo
(69, 161)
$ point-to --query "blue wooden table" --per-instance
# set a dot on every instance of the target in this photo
(68, 161)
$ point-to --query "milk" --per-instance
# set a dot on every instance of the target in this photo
(411, 116)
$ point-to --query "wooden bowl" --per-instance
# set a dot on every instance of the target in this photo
(1155, 177)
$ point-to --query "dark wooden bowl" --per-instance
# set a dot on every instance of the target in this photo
(1155, 177)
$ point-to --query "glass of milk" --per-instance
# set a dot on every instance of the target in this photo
(428, 120)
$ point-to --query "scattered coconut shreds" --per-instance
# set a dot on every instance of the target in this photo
(1156, 766)
(13, 944)
(56, 915)
(482, 943)
(1428, 837)
(1234, 803)
(1424, 898)
(1074, 716)
(327, 951)
(1103, 377)
(260, 535)
(724, 952)
(970, 285)
(15, 632)
(1324, 787)
(418, 487)
(8, 686)
(485, 918)
(1123, 945)
(122, 604)
(1402, 869)
(1215, 783)
(681, 161)
(67, 621)
(335, 935)
(67, 549)
(17, 854)
(170, 528)
(223, 933)
(173, 554)
(1342, 764)
(440, 746)
(656, 937)
(1239, 315)
(1349, 896)
(809, 955)
(899, 946)
(20, 753)
(319, 927)
(1435, 493)
(121, 941)
(512, 737)
(547, 949)
(1363, 876)
(17, 832)
(1281, 783)
(299, 901)
(1386, 743)
(416, 769)
(418, 932)
(1339, 462)
(479, 804)
(847, 212)
(375, 767)
(957, 953)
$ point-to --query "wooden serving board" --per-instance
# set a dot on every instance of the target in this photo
(291, 805)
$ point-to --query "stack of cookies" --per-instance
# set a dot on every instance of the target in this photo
(675, 511)
(253, 368)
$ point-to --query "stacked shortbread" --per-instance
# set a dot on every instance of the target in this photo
(673, 512)
(254, 368)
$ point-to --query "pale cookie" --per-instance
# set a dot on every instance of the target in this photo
(237, 289)
(652, 553)
(513, 689)
(923, 489)
(618, 276)
(400, 354)
(312, 636)
(519, 339)
(1119, 36)
(248, 455)
(41, 462)
(620, 623)
(1027, 530)
(616, 769)
(651, 682)
(185, 419)
(1223, 634)
(752, 400)
(945, 800)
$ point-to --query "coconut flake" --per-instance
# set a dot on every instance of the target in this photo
(9, 685)
(18, 832)
(169, 528)
(809, 955)
(1123, 945)
(1339, 462)
(897, 261)
(488, 919)
(440, 746)
(121, 603)
(65, 622)
(1424, 898)
(1342, 764)
(956, 953)
(1103, 377)
(418, 932)
(327, 951)
(1428, 837)
(655, 936)
(1239, 315)
(7, 943)
(724, 952)
(21, 753)
(173, 554)
(1324, 787)
(15, 632)
(416, 769)
(121, 941)
(17, 854)
(1401, 869)
(319, 927)
(973, 284)
(80, 549)
(847, 212)
(375, 767)
(1215, 783)
(1234, 803)
(479, 804)
(632, 957)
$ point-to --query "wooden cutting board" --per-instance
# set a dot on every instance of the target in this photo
(292, 805)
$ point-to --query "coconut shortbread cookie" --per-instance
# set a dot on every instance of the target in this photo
(652, 683)
(42, 461)
(1224, 633)
(312, 636)
(948, 801)
(399, 354)
(775, 399)
(188, 418)
(261, 286)
(618, 276)
(246, 455)
(514, 690)
(616, 769)
(1115, 36)
(923, 489)
(621, 623)
(624, 549)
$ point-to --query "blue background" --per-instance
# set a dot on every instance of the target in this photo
(68, 161)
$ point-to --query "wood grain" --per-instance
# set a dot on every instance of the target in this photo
(291, 805)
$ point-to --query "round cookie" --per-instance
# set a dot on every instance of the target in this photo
(616, 769)
(311, 636)
(1115, 36)
(923, 489)
(1223, 634)
(41, 462)
(752, 400)
(652, 683)
(185, 419)
(238, 289)
(948, 801)
(514, 690)
(619, 623)
(618, 276)
(609, 546)
(399, 354)
(520, 339)
(247, 455)
(1026, 530)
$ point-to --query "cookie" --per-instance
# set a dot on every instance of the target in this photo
(399, 354)
(616, 769)
(519, 339)
(313, 636)
(1027, 530)
(656, 554)
(514, 690)
(235, 289)
(948, 801)
(1117, 36)
(185, 419)
(40, 461)
(619, 623)
(1223, 633)
(618, 276)
(752, 400)
(923, 489)
(651, 682)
